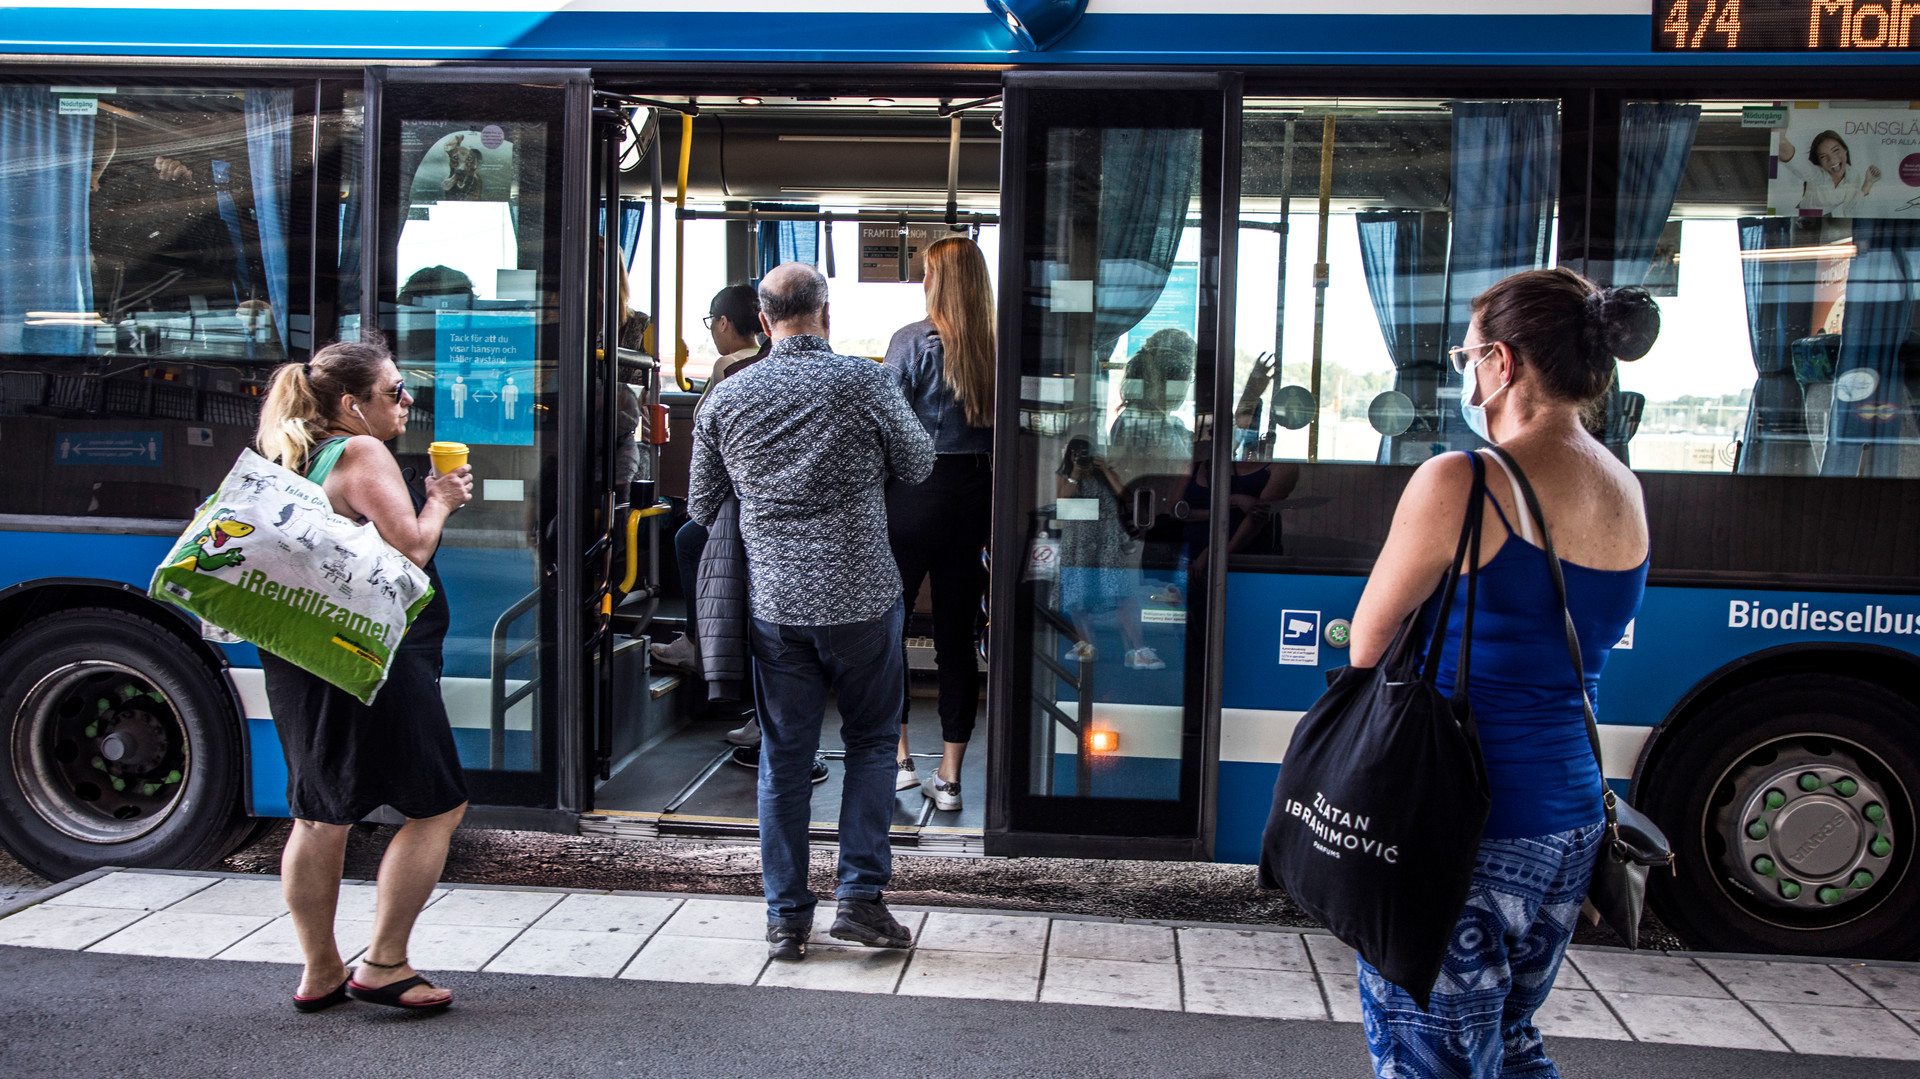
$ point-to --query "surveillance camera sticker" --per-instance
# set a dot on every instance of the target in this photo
(1300, 638)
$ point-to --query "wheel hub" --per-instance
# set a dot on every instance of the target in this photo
(1811, 832)
(99, 753)
(134, 744)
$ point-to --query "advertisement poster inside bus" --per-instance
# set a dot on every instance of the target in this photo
(1845, 159)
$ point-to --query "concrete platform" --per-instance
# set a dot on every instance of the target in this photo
(1782, 1006)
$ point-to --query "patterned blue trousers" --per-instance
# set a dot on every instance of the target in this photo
(1505, 954)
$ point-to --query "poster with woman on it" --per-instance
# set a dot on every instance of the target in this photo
(1833, 159)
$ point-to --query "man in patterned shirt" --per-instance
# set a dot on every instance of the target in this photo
(806, 439)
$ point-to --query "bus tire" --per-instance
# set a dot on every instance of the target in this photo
(121, 748)
(1790, 804)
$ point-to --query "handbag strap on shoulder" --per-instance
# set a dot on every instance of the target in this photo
(1466, 551)
(1566, 612)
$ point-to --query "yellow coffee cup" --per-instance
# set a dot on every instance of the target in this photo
(447, 456)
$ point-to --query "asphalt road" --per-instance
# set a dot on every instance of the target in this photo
(68, 1013)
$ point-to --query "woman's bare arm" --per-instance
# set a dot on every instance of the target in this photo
(1426, 529)
(367, 483)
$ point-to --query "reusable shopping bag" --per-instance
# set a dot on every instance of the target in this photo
(267, 560)
(1383, 797)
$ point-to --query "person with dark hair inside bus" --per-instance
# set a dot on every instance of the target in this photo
(937, 528)
(330, 419)
(1540, 345)
(437, 286)
(1827, 189)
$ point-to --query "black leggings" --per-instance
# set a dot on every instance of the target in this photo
(938, 528)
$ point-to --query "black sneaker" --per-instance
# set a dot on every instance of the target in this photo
(749, 757)
(786, 943)
(867, 921)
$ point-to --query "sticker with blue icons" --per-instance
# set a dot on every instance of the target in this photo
(1300, 638)
(483, 377)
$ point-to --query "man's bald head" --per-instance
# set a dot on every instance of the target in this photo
(793, 299)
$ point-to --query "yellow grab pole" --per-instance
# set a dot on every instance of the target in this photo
(680, 257)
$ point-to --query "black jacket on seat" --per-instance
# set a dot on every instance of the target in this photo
(721, 599)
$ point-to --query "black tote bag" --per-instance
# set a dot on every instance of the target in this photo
(1383, 797)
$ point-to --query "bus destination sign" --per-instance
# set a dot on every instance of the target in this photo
(1782, 25)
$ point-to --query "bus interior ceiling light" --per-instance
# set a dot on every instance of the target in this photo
(749, 100)
(1039, 24)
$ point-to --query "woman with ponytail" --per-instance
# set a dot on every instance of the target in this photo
(1541, 345)
(330, 420)
(944, 365)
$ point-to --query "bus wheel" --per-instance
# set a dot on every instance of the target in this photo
(120, 748)
(1790, 805)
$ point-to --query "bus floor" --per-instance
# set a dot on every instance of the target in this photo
(687, 785)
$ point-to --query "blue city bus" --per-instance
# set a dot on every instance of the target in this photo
(1262, 218)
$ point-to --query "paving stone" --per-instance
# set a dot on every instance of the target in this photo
(68, 927)
(181, 935)
(728, 961)
(261, 898)
(1896, 987)
(634, 915)
(456, 947)
(1787, 983)
(477, 907)
(1568, 978)
(133, 891)
(1243, 948)
(972, 975)
(1692, 1020)
(1578, 1013)
(1840, 1031)
(848, 970)
(359, 902)
(1112, 940)
(572, 953)
(1112, 982)
(1267, 994)
(1343, 996)
(1616, 971)
(276, 942)
(1330, 956)
(718, 918)
(983, 933)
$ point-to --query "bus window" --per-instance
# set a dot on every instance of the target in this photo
(1775, 237)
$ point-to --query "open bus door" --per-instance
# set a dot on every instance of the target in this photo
(475, 245)
(1115, 356)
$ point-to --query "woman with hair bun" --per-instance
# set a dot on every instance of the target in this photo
(1541, 345)
(330, 420)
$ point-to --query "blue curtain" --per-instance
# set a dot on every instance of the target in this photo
(1148, 180)
(242, 284)
(633, 213)
(1656, 138)
(350, 209)
(1504, 179)
(45, 260)
(1403, 254)
(1881, 290)
(1779, 312)
(270, 163)
(787, 241)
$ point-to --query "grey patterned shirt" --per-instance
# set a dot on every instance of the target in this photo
(806, 439)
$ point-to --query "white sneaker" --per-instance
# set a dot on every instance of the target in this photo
(945, 795)
(1145, 659)
(747, 734)
(680, 653)
(906, 778)
(1082, 651)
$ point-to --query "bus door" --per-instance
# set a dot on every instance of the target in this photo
(475, 247)
(1115, 345)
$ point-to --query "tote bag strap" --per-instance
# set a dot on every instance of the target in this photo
(320, 463)
(1466, 550)
(1566, 612)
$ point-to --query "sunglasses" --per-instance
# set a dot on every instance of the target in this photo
(1457, 355)
(397, 391)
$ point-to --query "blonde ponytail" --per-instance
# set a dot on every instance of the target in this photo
(302, 398)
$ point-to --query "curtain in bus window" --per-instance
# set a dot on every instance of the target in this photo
(1505, 166)
(349, 292)
(787, 241)
(1871, 426)
(1656, 138)
(1403, 254)
(270, 163)
(1148, 180)
(632, 213)
(1780, 293)
(46, 274)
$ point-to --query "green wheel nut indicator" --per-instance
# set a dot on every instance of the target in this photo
(1880, 846)
(1809, 782)
(172, 777)
(1861, 878)
(1757, 830)
(1846, 788)
(1763, 865)
(1775, 799)
(92, 731)
(119, 784)
(1875, 812)
(1829, 895)
(1790, 889)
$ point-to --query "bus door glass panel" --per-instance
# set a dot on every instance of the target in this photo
(465, 284)
(1108, 321)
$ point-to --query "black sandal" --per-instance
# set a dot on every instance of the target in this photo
(321, 1003)
(391, 993)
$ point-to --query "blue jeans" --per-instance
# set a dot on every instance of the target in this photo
(794, 668)
(1505, 954)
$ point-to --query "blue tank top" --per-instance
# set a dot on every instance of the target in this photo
(1533, 730)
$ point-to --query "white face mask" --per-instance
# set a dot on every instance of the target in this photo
(1476, 415)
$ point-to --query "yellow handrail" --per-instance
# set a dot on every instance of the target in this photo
(680, 257)
(633, 552)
